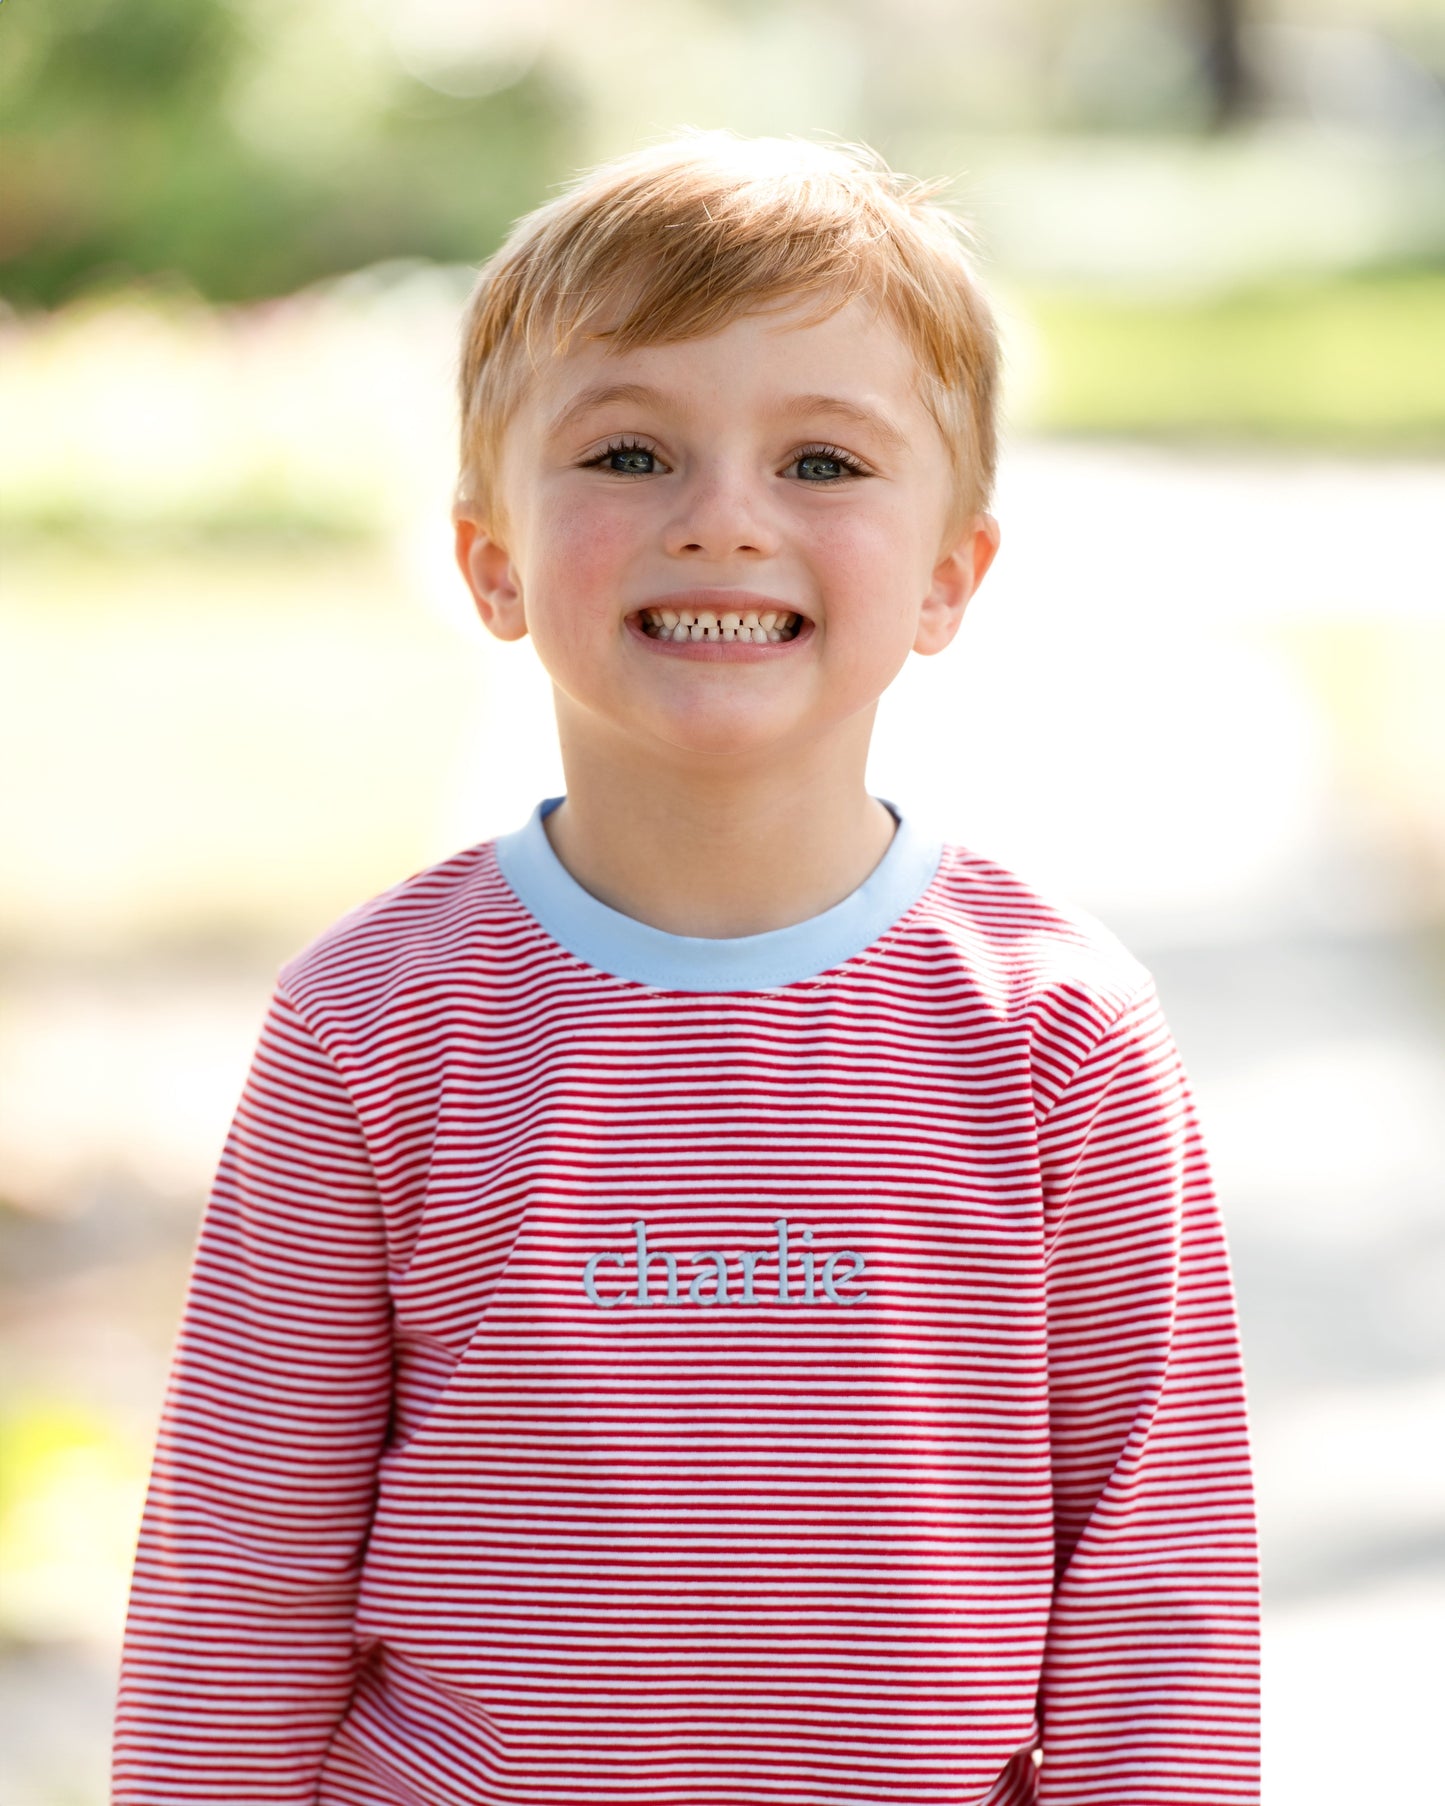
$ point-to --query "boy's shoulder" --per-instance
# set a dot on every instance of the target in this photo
(1028, 942)
(424, 925)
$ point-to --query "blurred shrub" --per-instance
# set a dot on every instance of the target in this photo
(146, 415)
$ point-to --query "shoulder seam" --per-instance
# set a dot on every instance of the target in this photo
(1142, 989)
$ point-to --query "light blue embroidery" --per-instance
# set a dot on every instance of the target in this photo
(710, 1282)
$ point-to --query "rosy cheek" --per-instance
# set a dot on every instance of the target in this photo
(587, 558)
(590, 537)
(851, 538)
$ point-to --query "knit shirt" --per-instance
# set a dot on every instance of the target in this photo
(799, 1369)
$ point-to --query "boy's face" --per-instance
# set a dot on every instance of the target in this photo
(781, 463)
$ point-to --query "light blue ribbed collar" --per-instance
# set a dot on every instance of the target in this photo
(606, 938)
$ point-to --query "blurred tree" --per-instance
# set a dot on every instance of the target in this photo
(1225, 71)
(151, 137)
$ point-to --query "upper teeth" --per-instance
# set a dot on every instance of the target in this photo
(706, 624)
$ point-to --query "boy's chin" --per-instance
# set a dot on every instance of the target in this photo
(718, 739)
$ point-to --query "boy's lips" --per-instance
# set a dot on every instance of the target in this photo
(719, 602)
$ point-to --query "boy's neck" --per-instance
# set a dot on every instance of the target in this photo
(719, 860)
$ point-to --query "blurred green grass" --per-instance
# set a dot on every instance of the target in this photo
(1353, 363)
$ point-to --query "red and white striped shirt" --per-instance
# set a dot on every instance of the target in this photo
(621, 1367)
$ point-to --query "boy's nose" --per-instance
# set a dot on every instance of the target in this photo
(718, 516)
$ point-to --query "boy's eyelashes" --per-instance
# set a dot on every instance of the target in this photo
(632, 454)
(635, 458)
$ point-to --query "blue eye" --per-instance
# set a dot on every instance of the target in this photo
(826, 464)
(627, 460)
(815, 459)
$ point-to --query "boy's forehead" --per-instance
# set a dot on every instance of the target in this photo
(784, 358)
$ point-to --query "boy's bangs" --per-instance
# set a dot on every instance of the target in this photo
(665, 309)
(697, 282)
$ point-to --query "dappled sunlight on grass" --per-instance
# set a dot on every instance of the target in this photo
(72, 1485)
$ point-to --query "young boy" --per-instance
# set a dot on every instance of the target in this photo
(713, 1297)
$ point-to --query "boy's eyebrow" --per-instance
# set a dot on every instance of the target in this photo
(600, 395)
(850, 411)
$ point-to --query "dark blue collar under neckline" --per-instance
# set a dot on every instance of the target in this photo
(626, 948)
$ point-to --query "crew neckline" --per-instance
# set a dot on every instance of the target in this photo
(625, 948)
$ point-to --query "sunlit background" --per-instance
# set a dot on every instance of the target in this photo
(242, 688)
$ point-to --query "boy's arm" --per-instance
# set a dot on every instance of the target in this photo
(1150, 1690)
(238, 1661)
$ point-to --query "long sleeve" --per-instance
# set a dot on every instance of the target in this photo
(1150, 1689)
(239, 1661)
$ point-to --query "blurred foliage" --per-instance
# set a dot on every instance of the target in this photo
(1351, 363)
(248, 149)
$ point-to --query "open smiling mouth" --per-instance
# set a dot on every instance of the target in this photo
(759, 627)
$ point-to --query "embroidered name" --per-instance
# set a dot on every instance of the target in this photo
(751, 1277)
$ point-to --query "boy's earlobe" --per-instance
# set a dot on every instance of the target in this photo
(487, 568)
(955, 578)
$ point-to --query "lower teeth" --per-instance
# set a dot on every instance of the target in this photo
(693, 637)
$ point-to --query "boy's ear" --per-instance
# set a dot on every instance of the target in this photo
(956, 576)
(491, 577)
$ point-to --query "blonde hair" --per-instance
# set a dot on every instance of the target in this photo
(679, 239)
